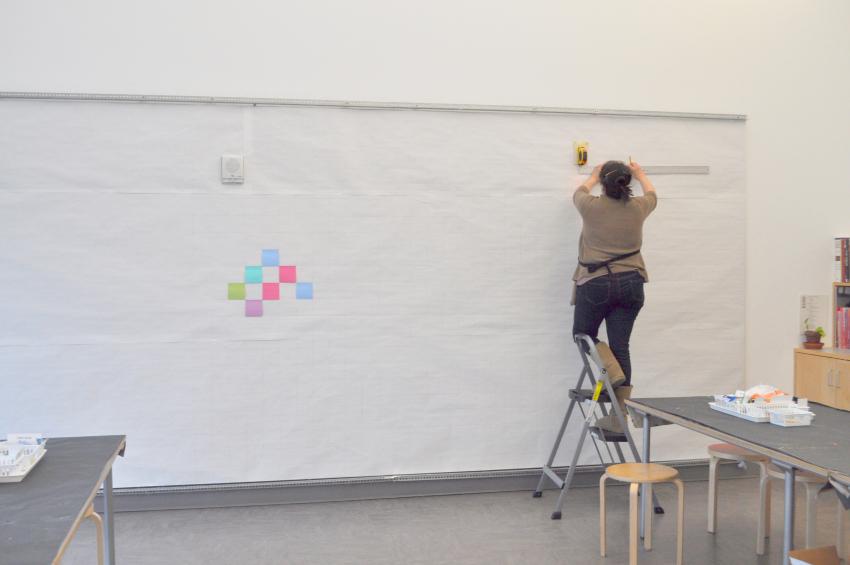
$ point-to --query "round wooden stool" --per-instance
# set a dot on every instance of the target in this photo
(637, 474)
(813, 484)
(729, 452)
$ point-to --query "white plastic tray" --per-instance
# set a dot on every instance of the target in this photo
(789, 417)
(751, 415)
(781, 413)
(21, 477)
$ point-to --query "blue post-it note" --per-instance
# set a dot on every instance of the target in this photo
(253, 274)
(271, 258)
(304, 291)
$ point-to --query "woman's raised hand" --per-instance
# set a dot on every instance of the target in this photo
(594, 176)
(636, 169)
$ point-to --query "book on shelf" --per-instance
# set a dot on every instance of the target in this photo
(842, 328)
(841, 268)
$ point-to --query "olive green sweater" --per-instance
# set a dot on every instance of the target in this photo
(610, 228)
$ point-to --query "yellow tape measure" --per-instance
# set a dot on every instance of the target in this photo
(597, 391)
(580, 148)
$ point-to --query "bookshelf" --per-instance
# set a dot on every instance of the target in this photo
(840, 299)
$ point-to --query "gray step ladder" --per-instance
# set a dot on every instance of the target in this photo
(594, 371)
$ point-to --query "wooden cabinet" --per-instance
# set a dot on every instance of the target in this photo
(841, 384)
(823, 376)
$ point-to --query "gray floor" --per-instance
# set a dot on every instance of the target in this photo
(479, 528)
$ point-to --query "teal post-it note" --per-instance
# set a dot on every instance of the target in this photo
(304, 291)
(236, 291)
(253, 274)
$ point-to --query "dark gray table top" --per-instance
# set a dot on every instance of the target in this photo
(37, 514)
(824, 445)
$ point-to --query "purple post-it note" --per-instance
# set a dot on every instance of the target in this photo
(253, 308)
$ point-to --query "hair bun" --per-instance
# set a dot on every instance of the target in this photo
(615, 178)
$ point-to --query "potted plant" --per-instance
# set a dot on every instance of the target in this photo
(813, 337)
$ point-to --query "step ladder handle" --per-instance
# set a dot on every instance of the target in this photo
(589, 349)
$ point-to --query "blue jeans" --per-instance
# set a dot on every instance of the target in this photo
(617, 299)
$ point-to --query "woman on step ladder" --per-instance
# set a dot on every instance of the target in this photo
(610, 275)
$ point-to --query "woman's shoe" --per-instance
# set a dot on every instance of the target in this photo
(611, 423)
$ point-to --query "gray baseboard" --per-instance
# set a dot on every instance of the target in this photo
(183, 497)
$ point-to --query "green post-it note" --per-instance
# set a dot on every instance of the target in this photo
(236, 291)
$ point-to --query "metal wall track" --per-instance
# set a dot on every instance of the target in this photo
(168, 99)
(370, 488)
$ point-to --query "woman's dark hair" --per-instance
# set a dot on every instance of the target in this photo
(615, 177)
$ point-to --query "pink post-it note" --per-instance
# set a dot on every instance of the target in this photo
(253, 307)
(271, 291)
(287, 274)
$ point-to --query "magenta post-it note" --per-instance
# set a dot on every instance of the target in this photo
(271, 291)
(287, 274)
(253, 308)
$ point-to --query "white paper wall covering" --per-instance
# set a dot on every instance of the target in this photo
(440, 246)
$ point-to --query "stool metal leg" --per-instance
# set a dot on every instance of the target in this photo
(109, 519)
(712, 494)
(811, 513)
(763, 529)
(788, 538)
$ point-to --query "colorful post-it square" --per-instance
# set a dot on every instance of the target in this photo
(287, 274)
(271, 258)
(236, 291)
(271, 291)
(253, 308)
(304, 291)
(253, 274)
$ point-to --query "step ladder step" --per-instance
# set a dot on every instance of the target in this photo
(608, 436)
(582, 394)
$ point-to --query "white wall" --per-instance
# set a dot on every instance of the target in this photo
(784, 63)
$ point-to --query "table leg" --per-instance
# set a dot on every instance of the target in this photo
(788, 541)
(108, 523)
(643, 493)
